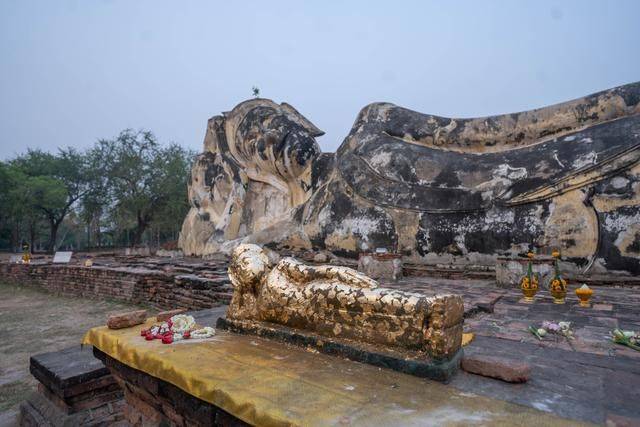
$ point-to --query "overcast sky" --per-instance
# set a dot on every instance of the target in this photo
(75, 71)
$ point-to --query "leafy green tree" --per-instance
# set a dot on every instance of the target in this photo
(95, 203)
(11, 212)
(20, 197)
(147, 182)
(54, 184)
(6, 202)
(172, 186)
(44, 196)
(122, 190)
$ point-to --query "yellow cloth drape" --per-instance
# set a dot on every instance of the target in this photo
(267, 383)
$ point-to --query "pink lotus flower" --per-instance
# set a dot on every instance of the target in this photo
(550, 326)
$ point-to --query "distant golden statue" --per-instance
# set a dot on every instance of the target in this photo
(26, 253)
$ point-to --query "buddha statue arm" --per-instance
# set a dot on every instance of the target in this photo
(303, 274)
(383, 316)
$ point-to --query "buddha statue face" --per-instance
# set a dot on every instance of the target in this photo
(268, 135)
(256, 167)
(274, 144)
(248, 270)
(249, 265)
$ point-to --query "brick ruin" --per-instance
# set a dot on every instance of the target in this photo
(172, 287)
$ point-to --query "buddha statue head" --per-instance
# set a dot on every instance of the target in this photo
(247, 271)
(256, 168)
(272, 143)
(248, 267)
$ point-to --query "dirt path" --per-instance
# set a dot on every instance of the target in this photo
(31, 322)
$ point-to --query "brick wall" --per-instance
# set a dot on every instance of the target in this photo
(159, 289)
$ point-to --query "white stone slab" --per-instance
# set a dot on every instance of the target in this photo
(15, 259)
(62, 257)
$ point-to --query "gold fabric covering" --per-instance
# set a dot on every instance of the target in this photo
(270, 384)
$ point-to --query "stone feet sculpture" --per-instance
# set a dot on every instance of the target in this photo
(338, 310)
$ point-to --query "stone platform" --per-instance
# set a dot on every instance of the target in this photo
(74, 389)
(270, 383)
(380, 265)
(410, 362)
(589, 378)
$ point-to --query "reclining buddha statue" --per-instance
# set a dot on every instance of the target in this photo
(333, 302)
(434, 189)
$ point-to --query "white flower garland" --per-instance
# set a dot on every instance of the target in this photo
(182, 323)
(205, 332)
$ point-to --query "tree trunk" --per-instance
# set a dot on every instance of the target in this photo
(32, 236)
(53, 235)
(137, 235)
(15, 237)
(98, 235)
(139, 230)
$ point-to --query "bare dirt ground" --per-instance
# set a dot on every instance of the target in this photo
(32, 322)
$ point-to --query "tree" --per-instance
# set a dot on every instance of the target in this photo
(95, 203)
(47, 196)
(121, 190)
(146, 181)
(12, 211)
(176, 164)
(7, 182)
(56, 183)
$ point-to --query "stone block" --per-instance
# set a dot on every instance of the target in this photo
(126, 320)
(501, 368)
(510, 270)
(380, 265)
(74, 389)
(163, 316)
(66, 372)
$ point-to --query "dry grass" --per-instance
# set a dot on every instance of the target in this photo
(32, 322)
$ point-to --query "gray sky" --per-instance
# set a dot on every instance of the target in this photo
(75, 71)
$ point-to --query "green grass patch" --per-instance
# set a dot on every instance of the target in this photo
(13, 393)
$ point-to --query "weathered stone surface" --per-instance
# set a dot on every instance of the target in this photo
(163, 316)
(508, 370)
(435, 189)
(614, 420)
(509, 270)
(126, 320)
(256, 167)
(380, 266)
(320, 258)
(340, 302)
(65, 370)
(74, 389)
(38, 411)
